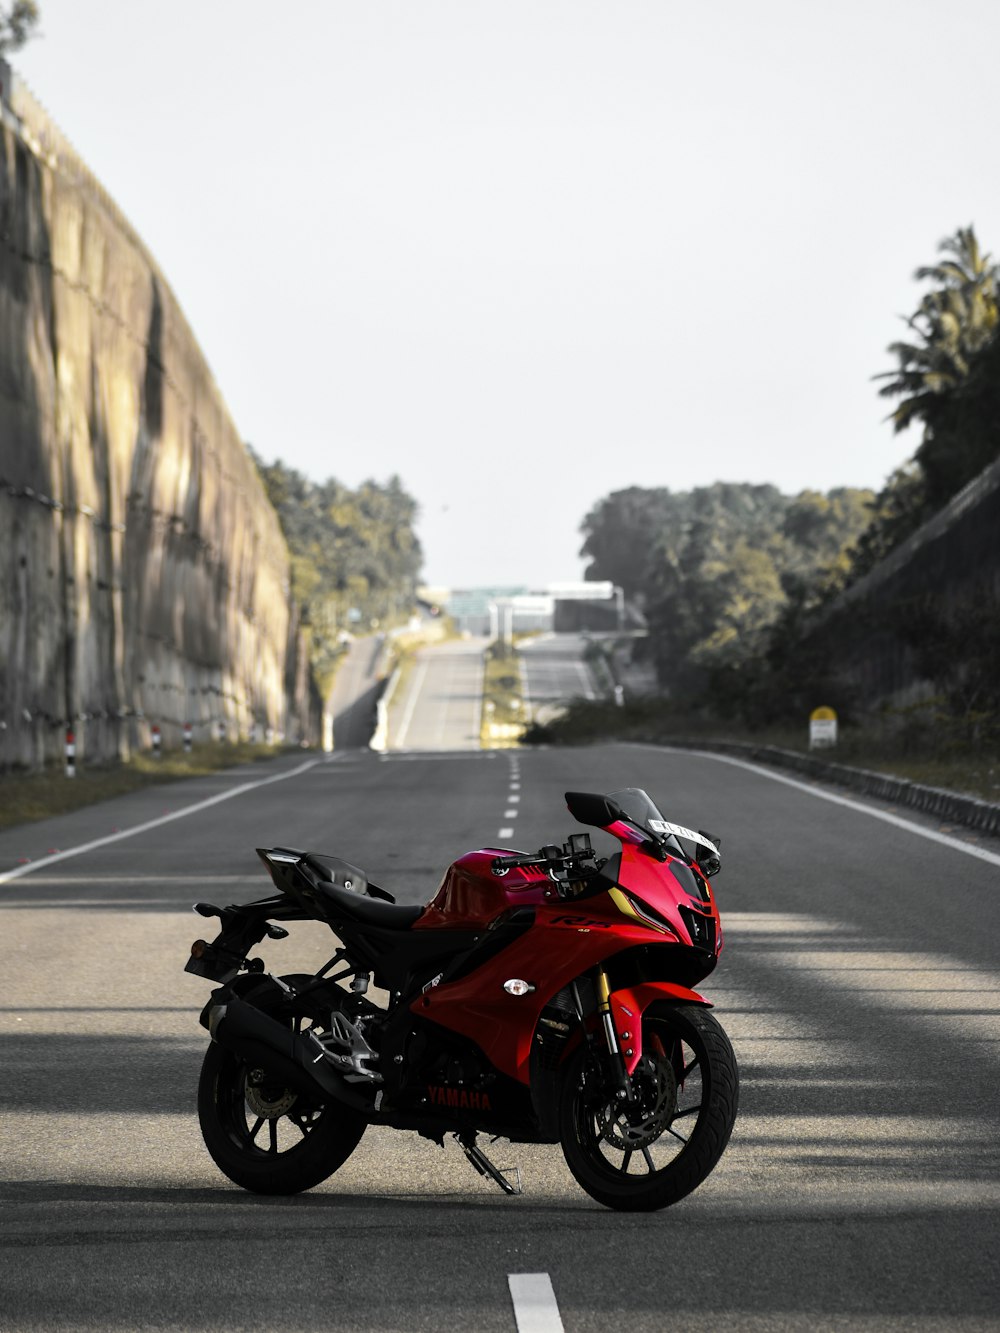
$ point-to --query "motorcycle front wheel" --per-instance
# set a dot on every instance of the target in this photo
(646, 1155)
(267, 1137)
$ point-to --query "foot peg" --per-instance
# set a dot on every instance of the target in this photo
(486, 1168)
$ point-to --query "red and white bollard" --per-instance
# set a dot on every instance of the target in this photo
(187, 737)
(70, 753)
(156, 741)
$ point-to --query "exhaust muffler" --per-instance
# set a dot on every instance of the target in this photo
(261, 1040)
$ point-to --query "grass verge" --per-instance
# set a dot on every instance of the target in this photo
(25, 797)
(503, 706)
(932, 758)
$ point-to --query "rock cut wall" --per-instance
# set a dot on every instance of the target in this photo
(143, 574)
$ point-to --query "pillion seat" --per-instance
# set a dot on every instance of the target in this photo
(349, 894)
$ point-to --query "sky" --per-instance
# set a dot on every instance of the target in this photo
(524, 253)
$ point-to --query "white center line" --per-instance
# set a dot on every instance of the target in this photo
(505, 833)
(510, 814)
(535, 1307)
(514, 797)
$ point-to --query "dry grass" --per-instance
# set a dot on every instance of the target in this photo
(503, 709)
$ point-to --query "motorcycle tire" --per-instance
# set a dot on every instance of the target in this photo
(264, 1136)
(686, 1089)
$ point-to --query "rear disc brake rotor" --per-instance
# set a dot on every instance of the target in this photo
(267, 1099)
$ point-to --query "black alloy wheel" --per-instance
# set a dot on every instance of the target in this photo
(647, 1155)
(265, 1136)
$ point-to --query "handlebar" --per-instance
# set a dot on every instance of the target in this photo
(550, 857)
(501, 864)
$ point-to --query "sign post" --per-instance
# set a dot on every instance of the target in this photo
(822, 728)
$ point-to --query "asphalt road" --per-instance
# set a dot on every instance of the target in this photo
(355, 693)
(439, 704)
(553, 671)
(860, 983)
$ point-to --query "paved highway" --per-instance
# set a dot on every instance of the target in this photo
(554, 672)
(439, 704)
(860, 983)
(356, 690)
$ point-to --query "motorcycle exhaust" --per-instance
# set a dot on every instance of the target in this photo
(260, 1040)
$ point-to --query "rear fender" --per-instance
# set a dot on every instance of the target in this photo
(630, 1003)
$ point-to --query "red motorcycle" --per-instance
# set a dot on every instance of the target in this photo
(544, 999)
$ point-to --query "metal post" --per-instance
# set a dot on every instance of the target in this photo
(70, 753)
(156, 741)
(187, 737)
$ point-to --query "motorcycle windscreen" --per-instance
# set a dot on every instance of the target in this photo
(639, 807)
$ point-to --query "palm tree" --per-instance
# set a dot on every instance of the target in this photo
(953, 323)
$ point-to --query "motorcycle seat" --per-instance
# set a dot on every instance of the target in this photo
(345, 890)
(368, 911)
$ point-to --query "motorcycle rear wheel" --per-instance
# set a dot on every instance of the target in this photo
(687, 1089)
(264, 1136)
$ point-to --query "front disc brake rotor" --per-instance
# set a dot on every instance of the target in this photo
(267, 1099)
(655, 1090)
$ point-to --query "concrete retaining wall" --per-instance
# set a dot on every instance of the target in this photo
(143, 574)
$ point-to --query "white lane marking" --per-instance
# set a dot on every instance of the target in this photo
(510, 814)
(506, 833)
(897, 821)
(186, 810)
(534, 1301)
(514, 785)
(416, 685)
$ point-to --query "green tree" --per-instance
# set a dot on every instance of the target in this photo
(355, 554)
(621, 534)
(946, 374)
(17, 24)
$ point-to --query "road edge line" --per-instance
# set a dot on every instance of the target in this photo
(945, 839)
(18, 871)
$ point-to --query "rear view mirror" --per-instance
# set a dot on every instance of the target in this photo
(588, 808)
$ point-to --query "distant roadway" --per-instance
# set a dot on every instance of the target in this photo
(553, 672)
(438, 704)
(860, 982)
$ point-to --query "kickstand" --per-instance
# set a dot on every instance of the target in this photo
(486, 1168)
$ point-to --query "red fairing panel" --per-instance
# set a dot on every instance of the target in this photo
(628, 1007)
(557, 949)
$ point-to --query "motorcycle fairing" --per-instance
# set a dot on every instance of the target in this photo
(630, 1003)
(565, 941)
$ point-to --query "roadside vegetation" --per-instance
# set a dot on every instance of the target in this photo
(503, 704)
(25, 797)
(734, 580)
(891, 744)
(355, 557)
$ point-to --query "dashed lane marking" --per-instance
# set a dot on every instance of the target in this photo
(505, 833)
(534, 1301)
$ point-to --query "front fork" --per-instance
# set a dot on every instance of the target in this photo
(619, 1069)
